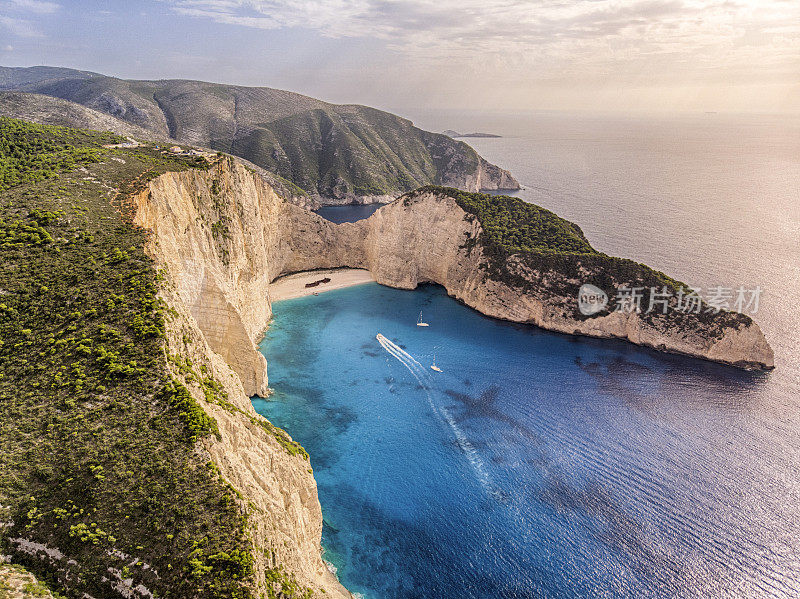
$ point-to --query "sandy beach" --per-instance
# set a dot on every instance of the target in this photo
(292, 286)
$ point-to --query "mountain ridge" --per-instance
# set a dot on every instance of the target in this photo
(338, 153)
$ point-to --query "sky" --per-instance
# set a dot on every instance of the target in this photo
(409, 56)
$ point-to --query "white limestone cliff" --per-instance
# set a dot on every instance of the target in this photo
(213, 236)
(408, 243)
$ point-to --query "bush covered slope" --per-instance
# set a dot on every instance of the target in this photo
(100, 476)
(531, 248)
(48, 110)
(336, 151)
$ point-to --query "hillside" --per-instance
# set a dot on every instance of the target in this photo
(342, 153)
(113, 411)
(47, 110)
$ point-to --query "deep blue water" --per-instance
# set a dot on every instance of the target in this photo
(536, 465)
(348, 213)
(571, 467)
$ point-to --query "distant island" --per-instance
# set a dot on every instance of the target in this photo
(454, 134)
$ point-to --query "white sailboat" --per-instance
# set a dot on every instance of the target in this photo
(419, 321)
(434, 366)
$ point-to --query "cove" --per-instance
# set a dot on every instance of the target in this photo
(534, 465)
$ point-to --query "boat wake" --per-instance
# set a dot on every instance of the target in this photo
(423, 378)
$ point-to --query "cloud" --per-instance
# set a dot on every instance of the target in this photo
(531, 48)
(19, 27)
(40, 7)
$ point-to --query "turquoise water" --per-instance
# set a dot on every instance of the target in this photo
(535, 465)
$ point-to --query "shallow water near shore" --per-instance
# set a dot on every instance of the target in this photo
(536, 464)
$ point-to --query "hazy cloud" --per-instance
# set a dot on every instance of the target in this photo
(35, 6)
(557, 38)
(15, 16)
(19, 27)
(511, 54)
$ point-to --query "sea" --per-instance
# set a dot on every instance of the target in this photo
(542, 465)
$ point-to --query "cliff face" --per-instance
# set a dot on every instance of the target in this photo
(490, 177)
(217, 264)
(402, 252)
(216, 236)
(430, 238)
(484, 177)
(283, 511)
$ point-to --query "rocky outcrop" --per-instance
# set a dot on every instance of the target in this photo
(222, 236)
(485, 177)
(212, 262)
(17, 583)
(402, 252)
(431, 239)
(490, 177)
(459, 166)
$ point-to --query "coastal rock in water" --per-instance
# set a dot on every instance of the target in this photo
(402, 252)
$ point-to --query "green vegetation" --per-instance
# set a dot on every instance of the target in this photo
(353, 150)
(18, 583)
(216, 394)
(281, 585)
(513, 225)
(196, 421)
(36, 589)
(557, 259)
(31, 153)
(97, 452)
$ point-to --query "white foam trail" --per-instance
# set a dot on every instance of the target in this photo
(423, 378)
